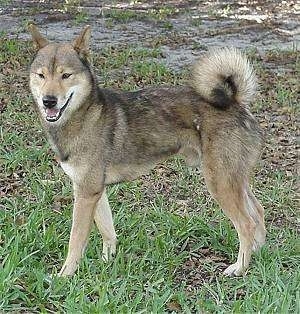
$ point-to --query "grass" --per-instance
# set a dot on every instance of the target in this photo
(159, 14)
(142, 65)
(174, 241)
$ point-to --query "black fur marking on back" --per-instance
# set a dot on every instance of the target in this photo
(229, 80)
(222, 100)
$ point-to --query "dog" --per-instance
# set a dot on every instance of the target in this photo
(102, 136)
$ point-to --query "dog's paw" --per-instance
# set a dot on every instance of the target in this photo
(234, 270)
(109, 250)
(67, 270)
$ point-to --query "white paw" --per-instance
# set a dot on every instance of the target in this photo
(109, 250)
(67, 270)
(234, 270)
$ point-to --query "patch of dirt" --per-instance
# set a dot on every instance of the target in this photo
(10, 184)
(280, 119)
(183, 28)
(197, 268)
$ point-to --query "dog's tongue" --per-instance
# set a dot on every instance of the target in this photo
(52, 112)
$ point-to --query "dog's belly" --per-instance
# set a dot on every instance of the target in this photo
(115, 173)
(119, 173)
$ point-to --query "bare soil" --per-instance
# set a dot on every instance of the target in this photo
(182, 29)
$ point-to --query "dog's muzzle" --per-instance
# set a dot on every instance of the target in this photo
(53, 113)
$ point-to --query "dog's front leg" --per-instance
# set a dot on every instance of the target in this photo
(83, 213)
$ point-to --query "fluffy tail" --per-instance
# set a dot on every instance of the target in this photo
(224, 77)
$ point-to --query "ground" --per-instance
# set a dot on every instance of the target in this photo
(174, 241)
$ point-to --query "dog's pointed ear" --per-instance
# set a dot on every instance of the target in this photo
(82, 42)
(37, 37)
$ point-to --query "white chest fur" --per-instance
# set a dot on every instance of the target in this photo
(70, 170)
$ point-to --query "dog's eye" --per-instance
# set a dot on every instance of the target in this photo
(65, 76)
(41, 75)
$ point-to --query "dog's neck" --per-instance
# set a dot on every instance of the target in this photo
(63, 137)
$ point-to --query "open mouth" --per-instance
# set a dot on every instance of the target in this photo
(53, 114)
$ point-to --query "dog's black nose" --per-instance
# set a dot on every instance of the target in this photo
(49, 101)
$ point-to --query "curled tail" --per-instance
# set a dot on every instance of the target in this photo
(224, 77)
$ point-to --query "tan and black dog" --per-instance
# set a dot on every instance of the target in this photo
(102, 136)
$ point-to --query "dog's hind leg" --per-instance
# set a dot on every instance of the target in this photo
(104, 221)
(256, 211)
(231, 194)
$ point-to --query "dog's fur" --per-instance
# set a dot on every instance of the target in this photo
(105, 136)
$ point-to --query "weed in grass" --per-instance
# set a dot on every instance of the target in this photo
(162, 13)
(122, 16)
(156, 14)
(69, 6)
(81, 17)
(150, 73)
(167, 25)
(196, 21)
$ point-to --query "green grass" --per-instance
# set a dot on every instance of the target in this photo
(165, 221)
(143, 65)
(81, 17)
(159, 14)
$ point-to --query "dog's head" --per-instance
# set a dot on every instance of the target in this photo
(60, 79)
